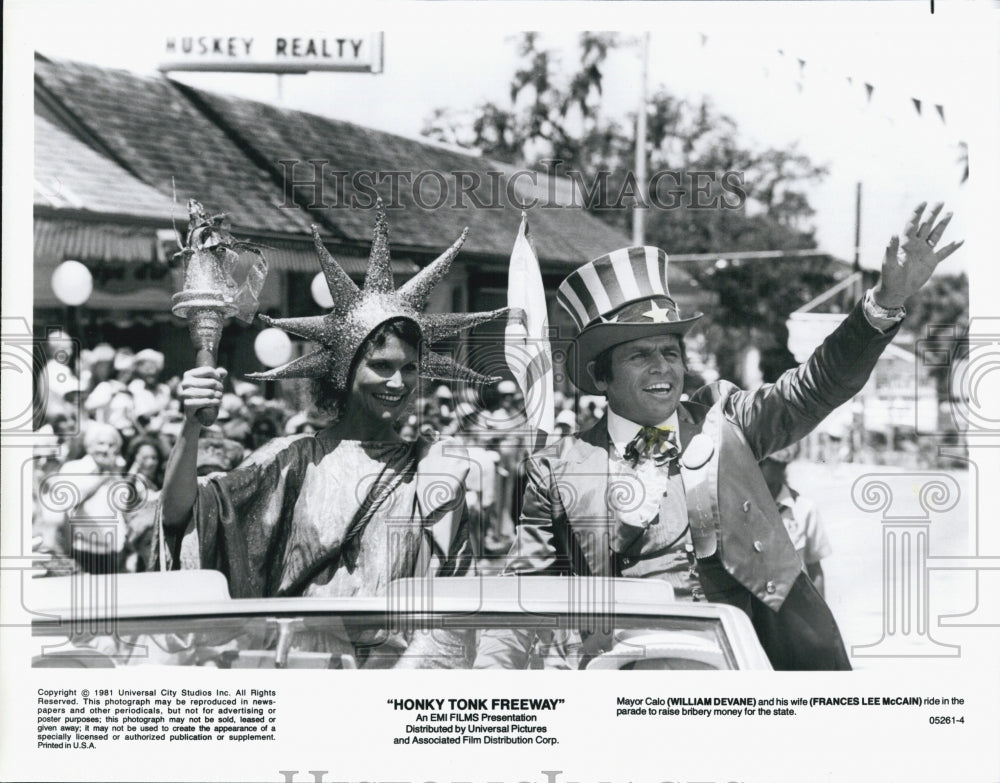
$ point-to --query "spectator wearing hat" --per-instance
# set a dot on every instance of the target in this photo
(101, 383)
(692, 466)
(151, 398)
(58, 377)
(800, 515)
(100, 366)
(245, 390)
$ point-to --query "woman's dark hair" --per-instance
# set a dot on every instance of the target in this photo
(331, 400)
(145, 440)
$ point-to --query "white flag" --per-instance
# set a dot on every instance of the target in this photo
(529, 355)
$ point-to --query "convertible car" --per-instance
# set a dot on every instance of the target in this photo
(186, 618)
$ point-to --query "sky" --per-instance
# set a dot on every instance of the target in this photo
(460, 54)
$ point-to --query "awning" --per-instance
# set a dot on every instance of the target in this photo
(61, 239)
(293, 256)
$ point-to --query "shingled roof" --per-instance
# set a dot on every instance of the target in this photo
(225, 152)
(566, 235)
(148, 127)
(69, 175)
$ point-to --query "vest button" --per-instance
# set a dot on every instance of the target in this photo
(759, 547)
(771, 587)
(746, 506)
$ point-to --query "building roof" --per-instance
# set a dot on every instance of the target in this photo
(568, 235)
(69, 175)
(225, 151)
(150, 129)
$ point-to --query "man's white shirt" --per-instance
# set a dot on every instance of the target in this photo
(652, 479)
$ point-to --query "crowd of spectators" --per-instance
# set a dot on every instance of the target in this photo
(109, 420)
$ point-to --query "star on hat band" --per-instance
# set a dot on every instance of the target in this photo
(357, 312)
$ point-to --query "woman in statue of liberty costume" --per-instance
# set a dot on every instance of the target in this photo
(346, 510)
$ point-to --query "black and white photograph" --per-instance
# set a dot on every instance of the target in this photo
(465, 341)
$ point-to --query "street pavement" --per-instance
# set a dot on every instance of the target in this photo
(855, 586)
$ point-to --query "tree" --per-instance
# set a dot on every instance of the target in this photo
(550, 114)
(556, 116)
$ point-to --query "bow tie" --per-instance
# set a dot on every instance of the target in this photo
(653, 443)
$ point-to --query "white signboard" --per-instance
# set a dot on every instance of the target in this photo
(807, 331)
(273, 53)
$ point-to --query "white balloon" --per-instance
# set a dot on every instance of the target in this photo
(72, 283)
(272, 347)
(321, 292)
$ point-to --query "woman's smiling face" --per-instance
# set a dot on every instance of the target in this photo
(147, 460)
(383, 381)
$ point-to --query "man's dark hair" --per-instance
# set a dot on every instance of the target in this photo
(331, 400)
(602, 364)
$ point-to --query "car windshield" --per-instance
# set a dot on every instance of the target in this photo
(393, 640)
(491, 623)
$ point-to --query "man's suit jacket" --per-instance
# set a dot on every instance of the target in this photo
(567, 521)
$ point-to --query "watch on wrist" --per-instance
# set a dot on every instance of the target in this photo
(888, 313)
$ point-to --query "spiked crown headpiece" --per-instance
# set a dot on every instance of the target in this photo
(357, 312)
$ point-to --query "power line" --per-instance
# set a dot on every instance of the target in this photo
(752, 255)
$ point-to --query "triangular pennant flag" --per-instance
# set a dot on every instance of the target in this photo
(940, 111)
(869, 88)
(704, 38)
(916, 105)
(850, 80)
(802, 65)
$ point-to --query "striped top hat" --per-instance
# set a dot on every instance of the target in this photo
(619, 297)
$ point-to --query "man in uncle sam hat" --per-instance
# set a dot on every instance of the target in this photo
(661, 488)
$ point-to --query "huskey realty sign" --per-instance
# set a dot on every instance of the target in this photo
(274, 53)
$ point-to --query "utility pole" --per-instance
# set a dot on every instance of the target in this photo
(856, 440)
(857, 232)
(641, 174)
